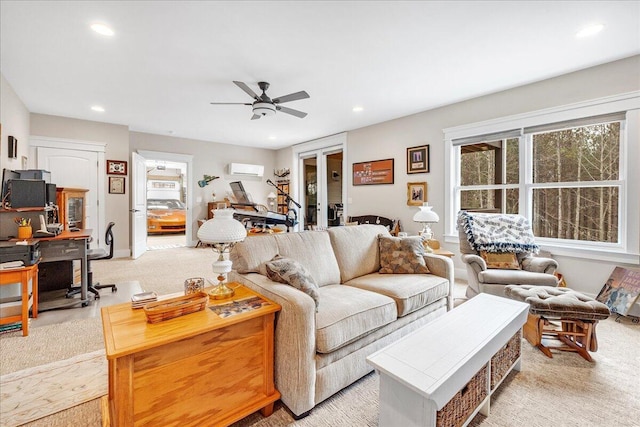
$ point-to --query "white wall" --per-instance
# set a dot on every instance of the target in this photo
(116, 138)
(14, 118)
(392, 138)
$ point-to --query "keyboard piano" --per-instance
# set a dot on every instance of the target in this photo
(266, 218)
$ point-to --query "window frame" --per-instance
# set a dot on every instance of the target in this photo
(626, 250)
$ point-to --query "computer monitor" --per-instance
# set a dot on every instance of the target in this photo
(7, 175)
(241, 196)
(28, 193)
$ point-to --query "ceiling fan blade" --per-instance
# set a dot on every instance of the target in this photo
(247, 89)
(291, 97)
(255, 117)
(229, 103)
(291, 111)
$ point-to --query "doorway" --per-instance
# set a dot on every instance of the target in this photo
(166, 204)
(165, 185)
(322, 188)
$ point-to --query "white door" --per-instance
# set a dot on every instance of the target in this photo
(139, 205)
(321, 188)
(76, 169)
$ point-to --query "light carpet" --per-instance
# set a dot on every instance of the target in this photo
(565, 391)
(37, 392)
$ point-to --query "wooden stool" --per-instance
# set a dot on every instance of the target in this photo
(562, 314)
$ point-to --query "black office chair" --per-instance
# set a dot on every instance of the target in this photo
(93, 255)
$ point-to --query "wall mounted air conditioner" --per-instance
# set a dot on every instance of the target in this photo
(245, 169)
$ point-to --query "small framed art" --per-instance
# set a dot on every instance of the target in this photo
(116, 167)
(416, 193)
(418, 159)
(116, 185)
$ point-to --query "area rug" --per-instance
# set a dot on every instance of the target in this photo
(37, 392)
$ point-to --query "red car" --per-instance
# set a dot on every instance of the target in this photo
(165, 216)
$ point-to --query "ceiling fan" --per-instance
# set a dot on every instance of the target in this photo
(265, 106)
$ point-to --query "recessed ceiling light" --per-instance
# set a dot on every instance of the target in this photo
(98, 108)
(102, 29)
(589, 30)
(272, 138)
(357, 109)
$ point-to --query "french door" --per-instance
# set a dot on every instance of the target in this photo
(321, 184)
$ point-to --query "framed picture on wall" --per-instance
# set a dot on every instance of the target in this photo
(116, 167)
(416, 193)
(116, 185)
(373, 172)
(418, 159)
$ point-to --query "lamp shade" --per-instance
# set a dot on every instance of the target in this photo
(426, 214)
(271, 195)
(222, 228)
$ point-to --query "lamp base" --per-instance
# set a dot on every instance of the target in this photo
(221, 290)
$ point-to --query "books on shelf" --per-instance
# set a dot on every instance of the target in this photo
(239, 306)
(139, 300)
(10, 327)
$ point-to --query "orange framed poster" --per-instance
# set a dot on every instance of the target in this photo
(373, 172)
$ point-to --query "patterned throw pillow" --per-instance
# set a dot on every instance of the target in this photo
(401, 255)
(291, 272)
(501, 260)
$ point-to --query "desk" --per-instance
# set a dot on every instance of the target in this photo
(22, 275)
(68, 246)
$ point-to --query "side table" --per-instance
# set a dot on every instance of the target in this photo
(24, 276)
(193, 370)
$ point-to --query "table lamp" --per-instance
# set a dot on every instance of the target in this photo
(222, 232)
(426, 216)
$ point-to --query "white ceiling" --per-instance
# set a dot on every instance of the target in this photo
(169, 59)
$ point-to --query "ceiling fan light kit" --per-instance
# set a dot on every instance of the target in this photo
(265, 106)
(264, 109)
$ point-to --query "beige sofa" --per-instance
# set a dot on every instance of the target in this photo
(359, 312)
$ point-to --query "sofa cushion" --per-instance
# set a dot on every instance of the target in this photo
(253, 251)
(357, 259)
(410, 292)
(517, 277)
(291, 272)
(502, 260)
(348, 313)
(402, 255)
(313, 250)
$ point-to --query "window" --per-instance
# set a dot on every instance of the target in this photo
(576, 183)
(570, 171)
(574, 179)
(489, 176)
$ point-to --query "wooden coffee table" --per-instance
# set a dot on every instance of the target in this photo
(193, 370)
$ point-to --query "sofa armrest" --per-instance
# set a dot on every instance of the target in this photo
(539, 264)
(295, 340)
(442, 266)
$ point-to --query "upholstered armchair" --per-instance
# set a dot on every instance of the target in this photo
(498, 250)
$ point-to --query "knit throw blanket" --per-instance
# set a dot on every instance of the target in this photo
(498, 232)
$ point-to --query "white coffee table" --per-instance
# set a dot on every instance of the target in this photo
(422, 371)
